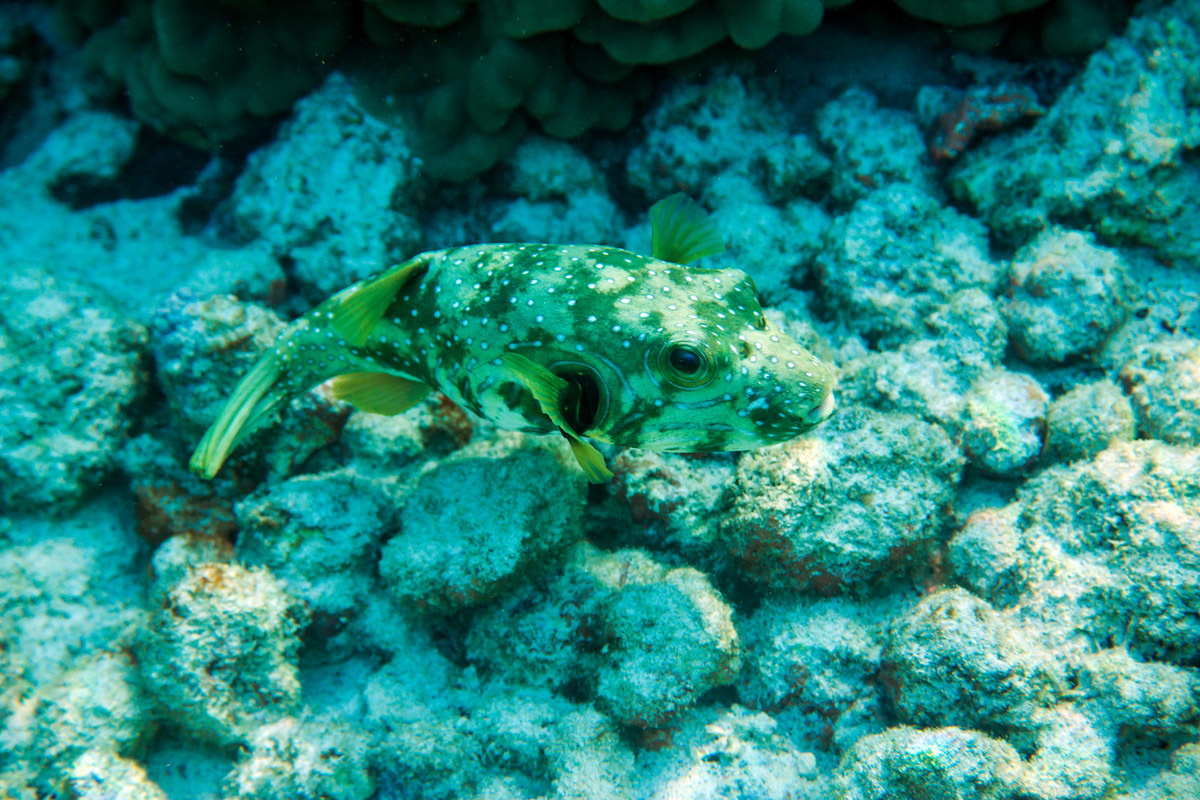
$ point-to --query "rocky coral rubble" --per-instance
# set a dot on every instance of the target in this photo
(320, 535)
(726, 752)
(723, 141)
(646, 641)
(1110, 151)
(1098, 549)
(1066, 296)
(846, 509)
(302, 199)
(219, 656)
(470, 526)
(71, 607)
(201, 348)
(73, 371)
(1084, 421)
(1163, 380)
(289, 759)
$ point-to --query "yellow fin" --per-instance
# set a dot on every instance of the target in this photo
(249, 404)
(354, 311)
(378, 392)
(681, 231)
(547, 388)
(590, 460)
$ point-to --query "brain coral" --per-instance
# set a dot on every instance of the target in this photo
(205, 71)
(474, 72)
(469, 75)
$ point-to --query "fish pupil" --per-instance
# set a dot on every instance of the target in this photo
(685, 360)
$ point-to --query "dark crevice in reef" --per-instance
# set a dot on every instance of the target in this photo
(159, 166)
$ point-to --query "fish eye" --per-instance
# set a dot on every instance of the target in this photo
(685, 360)
(760, 322)
(685, 364)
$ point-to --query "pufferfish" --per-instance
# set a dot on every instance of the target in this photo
(596, 343)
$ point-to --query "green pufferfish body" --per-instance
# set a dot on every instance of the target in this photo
(594, 342)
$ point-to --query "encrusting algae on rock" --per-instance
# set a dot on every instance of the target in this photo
(595, 342)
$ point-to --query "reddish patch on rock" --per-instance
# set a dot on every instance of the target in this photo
(448, 421)
(982, 109)
(768, 552)
(655, 739)
(645, 489)
(796, 677)
(164, 509)
(317, 421)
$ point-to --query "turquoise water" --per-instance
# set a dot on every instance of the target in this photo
(977, 578)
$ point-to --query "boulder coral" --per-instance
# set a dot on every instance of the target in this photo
(73, 369)
(219, 658)
(847, 508)
(207, 71)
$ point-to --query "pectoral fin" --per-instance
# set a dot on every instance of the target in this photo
(378, 392)
(354, 311)
(590, 460)
(681, 231)
(548, 389)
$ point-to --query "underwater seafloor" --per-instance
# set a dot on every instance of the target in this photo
(979, 579)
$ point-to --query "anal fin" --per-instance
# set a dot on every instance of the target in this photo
(378, 392)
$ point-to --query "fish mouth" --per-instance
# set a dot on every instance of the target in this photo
(819, 414)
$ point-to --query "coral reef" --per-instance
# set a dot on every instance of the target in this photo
(977, 579)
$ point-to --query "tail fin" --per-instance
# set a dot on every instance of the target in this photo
(254, 399)
(352, 313)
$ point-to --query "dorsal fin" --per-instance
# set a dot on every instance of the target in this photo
(547, 388)
(681, 231)
(354, 311)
